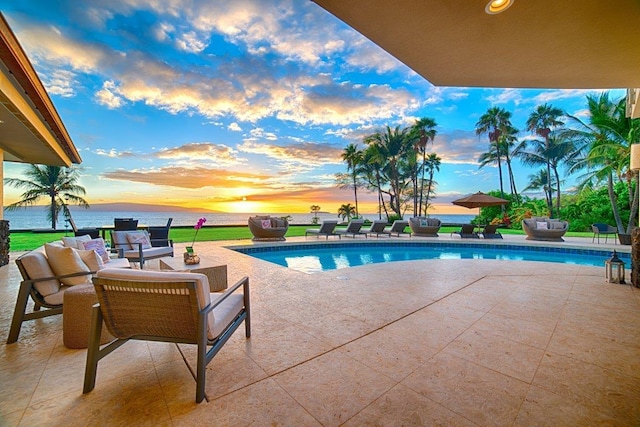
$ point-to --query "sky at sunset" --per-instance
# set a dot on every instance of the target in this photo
(243, 106)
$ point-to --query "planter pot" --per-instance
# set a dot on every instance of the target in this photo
(625, 239)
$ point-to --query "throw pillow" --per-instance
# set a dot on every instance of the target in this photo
(91, 259)
(76, 242)
(556, 225)
(266, 223)
(541, 225)
(280, 223)
(67, 261)
(98, 246)
(423, 223)
(141, 237)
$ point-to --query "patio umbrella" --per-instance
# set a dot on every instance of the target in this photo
(480, 200)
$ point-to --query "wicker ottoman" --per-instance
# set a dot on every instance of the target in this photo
(77, 308)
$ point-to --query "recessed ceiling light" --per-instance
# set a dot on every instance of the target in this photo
(497, 6)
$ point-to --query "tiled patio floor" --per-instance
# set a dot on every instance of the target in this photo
(440, 342)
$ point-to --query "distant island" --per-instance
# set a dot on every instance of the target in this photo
(138, 207)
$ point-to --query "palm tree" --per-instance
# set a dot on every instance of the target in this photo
(353, 156)
(608, 137)
(315, 209)
(540, 181)
(372, 165)
(542, 121)
(495, 123)
(57, 184)
(346, 211)
(392, 146)
(426, 129)
(432, 163)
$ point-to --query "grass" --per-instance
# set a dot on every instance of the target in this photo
(26, 241)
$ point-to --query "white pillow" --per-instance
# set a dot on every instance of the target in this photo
(136, 237)
(76, 242)
(66, 261)
(98, 246)
(92, 259)
(541, 225)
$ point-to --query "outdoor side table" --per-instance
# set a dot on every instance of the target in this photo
(77, 309)
(215, 272)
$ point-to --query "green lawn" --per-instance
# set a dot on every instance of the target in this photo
(23, 241)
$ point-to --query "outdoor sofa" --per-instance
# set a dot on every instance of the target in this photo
(545, 228)
(268, 228)
(425, 227)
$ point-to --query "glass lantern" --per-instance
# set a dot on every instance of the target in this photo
(614, 269)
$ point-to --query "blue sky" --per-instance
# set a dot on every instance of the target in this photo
(242, 106)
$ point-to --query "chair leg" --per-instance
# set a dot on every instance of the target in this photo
(247, 306)
(201, 364)
(19, 312)
(93, 350)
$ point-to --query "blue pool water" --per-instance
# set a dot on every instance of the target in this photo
(313, 258)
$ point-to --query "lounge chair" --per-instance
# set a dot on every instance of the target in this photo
(265, 228)
(353, 229)
(398, 227)
(93, 232)
(605, 230)
(160, 235)
(326, 229)
(425, 227)
(164, 306)
(378, 228)
(545, 229)
(490, 232)
(467, 232)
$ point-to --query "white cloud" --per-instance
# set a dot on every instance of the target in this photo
(109, 96)
(234, 127)
(190, 42)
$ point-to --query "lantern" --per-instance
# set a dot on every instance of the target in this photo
(614, 269)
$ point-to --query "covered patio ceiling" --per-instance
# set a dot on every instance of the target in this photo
(31, 130)
(586, 44)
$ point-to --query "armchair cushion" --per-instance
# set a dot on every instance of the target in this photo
(37, 266)
(135, 237)
(99, 246)
(542, 225)
(92, 260)
(76, 242)
(66, 261)
(120, 240)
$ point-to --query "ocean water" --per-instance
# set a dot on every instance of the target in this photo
(36, 218)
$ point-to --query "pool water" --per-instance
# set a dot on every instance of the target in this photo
(314, 258)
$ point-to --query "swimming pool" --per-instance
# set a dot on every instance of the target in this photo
(314, 258)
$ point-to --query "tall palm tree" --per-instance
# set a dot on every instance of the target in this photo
(426, 128)
(542, 121)
(494, 123)
(55, 183)
(510, 148)
(372, 165)
(393, 145)
(432, 165)
(608, 137)
(353, 156)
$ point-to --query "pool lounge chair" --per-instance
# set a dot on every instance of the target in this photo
(490, 232)
(398, 227)
(326, 229)
(467, 232)
(353, 229)
(378, 228)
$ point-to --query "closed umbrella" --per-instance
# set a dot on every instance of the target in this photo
(480, 200)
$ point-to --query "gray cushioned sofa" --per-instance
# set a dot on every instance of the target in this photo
(545, 228)
(425, 227)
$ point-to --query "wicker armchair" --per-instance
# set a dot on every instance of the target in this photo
(268, 228)
(164, 306)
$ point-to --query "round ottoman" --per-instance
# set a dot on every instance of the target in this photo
(77, 308)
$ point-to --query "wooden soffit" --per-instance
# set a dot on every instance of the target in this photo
(31, 130)
(585, 44)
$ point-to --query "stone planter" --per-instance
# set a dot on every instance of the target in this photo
(625, 239)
